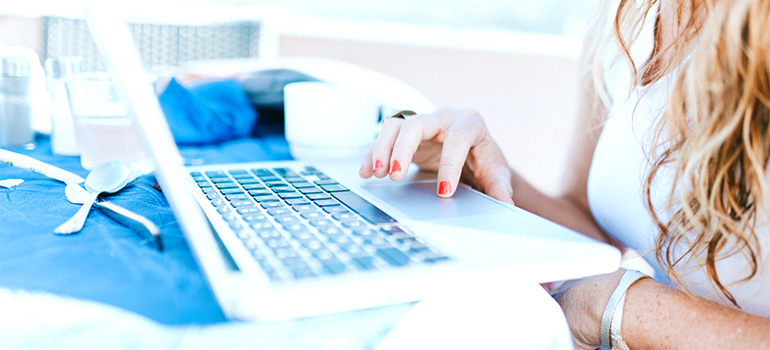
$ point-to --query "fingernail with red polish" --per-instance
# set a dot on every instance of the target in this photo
(443, 187)
(377, 165)
(362, 169)
(395, 167)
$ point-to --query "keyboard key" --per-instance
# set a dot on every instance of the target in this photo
(310, 190)
(233, 197)
(247, 240)
(268, 233)
(411, 242)
(293, 228)
(271, 205)
(395, 232)
(325, 255)
(335, 209)
(215, 173)
(367, 235)
(287, 219)
(303, 236)
(363, 208)
(312, 215)
(244, 211)
(279, 211)
(218, 202)
(282, 189)
(294, 179)
(261, 225)
(312, 170)
(377, 242)
(354, 224)
(393, 256)
(224, 185)
(266, 198)
(289, 195)
(297, 201)
(285, 252)
(335, 268)
(330, 231)
(344, 216)
(276, 242)
(254, 187)
(220, 179)
(231, 191)
(416, 250)
(304, 207)
(242, 204)
(313, 244)
(248, 181)
(326, 202)
(436, 259)
(303, 273)
(303, 184)
(334, 188)
(223, 209)
(262, 172)
(340, 240)
(275, 183)
(321, 223)
(325, 182)
(237, 172)
(318, 196)
(269, 178)
(229, 217)
(354, 250)
(285, 172)
(261, 192)
(212, 196)
(364, 262)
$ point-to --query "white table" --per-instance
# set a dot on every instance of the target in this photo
(487, 315)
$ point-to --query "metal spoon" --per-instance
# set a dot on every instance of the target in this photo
(109, 177)
(140, 224)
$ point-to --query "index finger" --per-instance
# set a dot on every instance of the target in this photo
(457, 144)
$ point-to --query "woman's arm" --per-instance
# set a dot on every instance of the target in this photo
(659, 317)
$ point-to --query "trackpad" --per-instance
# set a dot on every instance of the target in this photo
(418, 200)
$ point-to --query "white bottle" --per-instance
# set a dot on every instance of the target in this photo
(62, 131)
(15, 102)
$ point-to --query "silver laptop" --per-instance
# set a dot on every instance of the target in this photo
(283, 240)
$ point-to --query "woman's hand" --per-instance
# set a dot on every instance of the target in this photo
(454, 143)
(583, 302)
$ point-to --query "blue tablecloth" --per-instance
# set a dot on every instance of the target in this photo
(107, 262)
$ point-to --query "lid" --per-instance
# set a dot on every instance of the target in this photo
(14, 66)
(59, 67)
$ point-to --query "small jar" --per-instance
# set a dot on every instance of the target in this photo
(15, 102)
(62, 131)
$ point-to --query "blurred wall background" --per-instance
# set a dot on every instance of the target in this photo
(512, 60)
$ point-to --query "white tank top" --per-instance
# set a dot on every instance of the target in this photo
(618, 170)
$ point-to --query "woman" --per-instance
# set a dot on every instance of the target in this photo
(671, 160)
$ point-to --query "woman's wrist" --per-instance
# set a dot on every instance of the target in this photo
(583, 302)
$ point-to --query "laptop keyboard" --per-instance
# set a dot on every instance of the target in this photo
(305, 225)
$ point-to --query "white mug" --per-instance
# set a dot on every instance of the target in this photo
(329, 121)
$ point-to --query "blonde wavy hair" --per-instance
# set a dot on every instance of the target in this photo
(715, 131)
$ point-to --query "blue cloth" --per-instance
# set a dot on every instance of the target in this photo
(209, 112)
(107, 262)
